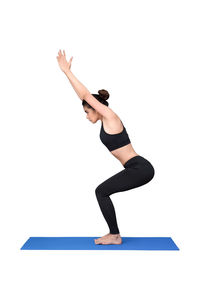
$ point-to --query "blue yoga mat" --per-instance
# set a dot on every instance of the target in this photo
(87, 243)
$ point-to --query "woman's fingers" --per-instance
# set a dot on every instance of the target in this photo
(60, 53)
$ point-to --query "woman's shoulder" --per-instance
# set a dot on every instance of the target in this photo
(113, 124)
(112, 116)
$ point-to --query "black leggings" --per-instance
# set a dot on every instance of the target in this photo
(138, 171)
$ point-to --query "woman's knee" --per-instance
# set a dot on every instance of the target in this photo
(100, 191)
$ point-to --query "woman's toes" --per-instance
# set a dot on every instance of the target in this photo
(97, 241)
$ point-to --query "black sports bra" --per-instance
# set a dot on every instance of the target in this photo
(114, 141)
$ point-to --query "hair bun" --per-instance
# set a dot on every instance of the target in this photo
(103, 94)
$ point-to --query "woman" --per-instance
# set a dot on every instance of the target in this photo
(137, 170)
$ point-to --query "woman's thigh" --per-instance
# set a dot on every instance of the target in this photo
(125, 180)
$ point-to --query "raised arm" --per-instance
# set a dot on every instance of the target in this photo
(80, 89)
(65, 66)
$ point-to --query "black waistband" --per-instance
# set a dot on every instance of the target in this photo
(135, 159)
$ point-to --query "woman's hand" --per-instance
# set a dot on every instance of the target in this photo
(64, 65)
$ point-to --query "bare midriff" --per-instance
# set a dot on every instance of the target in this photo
(123, 154)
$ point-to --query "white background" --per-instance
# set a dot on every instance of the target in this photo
(146, 54)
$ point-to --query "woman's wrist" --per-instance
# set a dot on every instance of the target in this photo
(67, 72)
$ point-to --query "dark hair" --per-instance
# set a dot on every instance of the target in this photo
(102, 96)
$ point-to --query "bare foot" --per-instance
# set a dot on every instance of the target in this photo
(109, 239)
(106, 235)
(101, 238)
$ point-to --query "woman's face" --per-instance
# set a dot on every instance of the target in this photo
(91, 115)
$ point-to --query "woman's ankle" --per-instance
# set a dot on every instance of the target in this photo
(115, 234)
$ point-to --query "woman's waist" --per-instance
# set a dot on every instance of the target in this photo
(124, 153)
